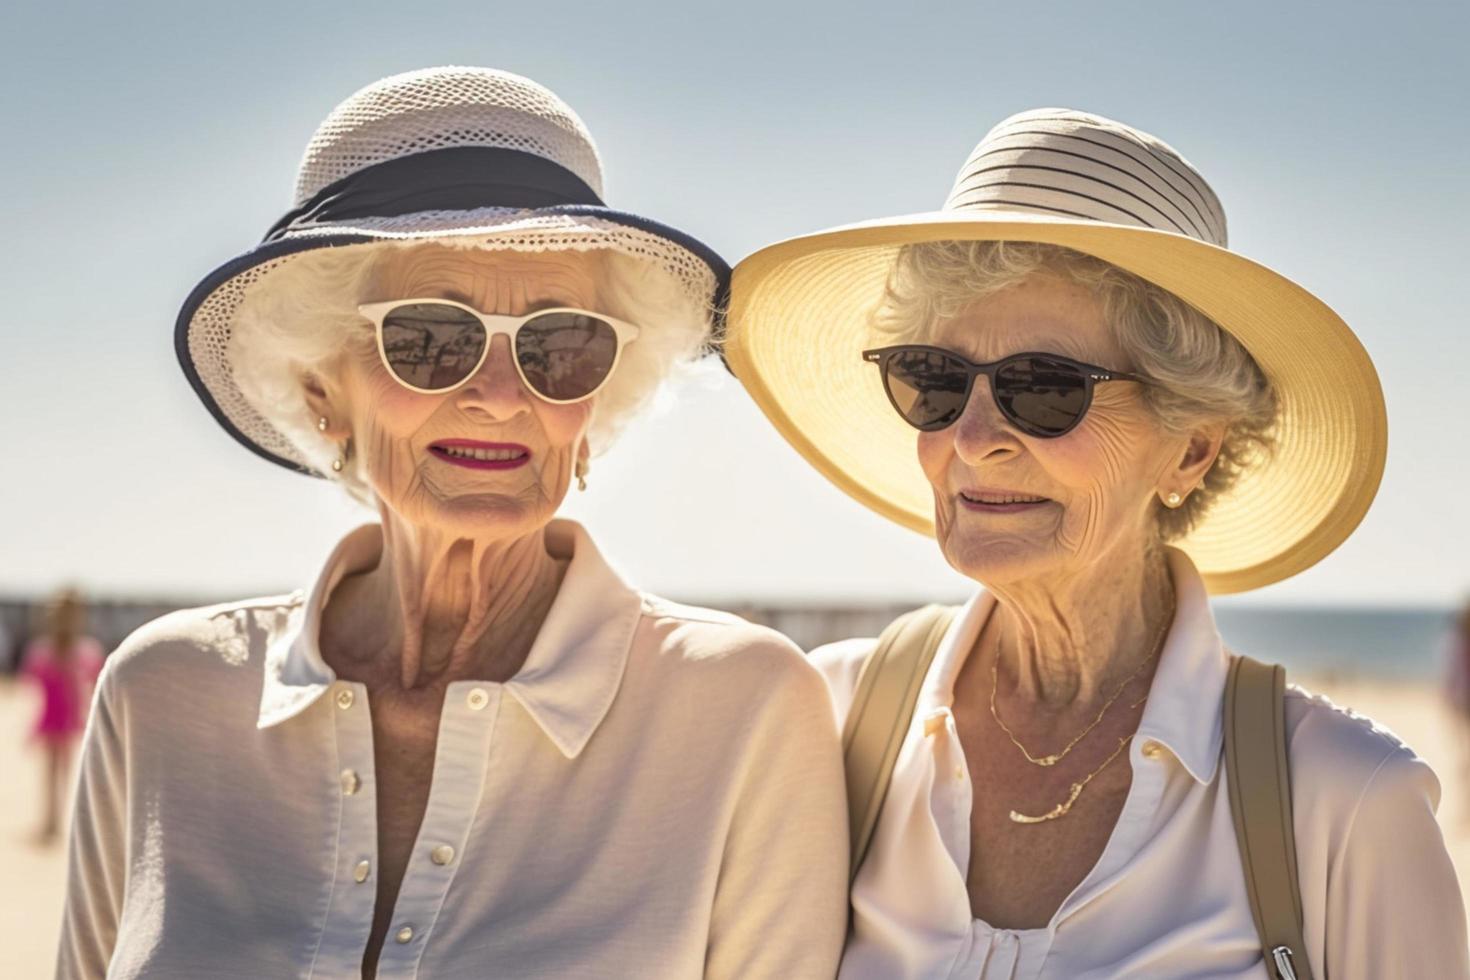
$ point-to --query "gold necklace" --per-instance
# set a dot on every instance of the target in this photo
(1063, 808)
(1054, 758)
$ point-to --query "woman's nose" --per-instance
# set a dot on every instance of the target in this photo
(981, 433)
(496, 390)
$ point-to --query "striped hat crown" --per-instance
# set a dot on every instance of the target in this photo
(1076, 165)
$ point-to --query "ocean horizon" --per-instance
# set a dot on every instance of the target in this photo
(1392, 643)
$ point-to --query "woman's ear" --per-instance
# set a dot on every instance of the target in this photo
(324, 407)
(1199, 454)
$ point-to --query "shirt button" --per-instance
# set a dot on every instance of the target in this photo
(361, 872)
(1152, 749)
(442, 854)
(477, 699)
(404, 935)
(344, 698)
(350, 783)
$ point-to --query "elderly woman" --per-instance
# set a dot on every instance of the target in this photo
(1113, 416)
(470, 749)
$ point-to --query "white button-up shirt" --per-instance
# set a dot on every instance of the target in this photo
(1167, 898)
(657, 793)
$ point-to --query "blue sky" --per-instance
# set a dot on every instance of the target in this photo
(149, 142)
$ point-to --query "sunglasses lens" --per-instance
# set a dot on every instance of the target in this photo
(566, 356)
(432, 346)
(927, 387)
(1041, 396)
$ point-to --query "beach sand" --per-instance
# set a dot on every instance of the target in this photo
(32, 879)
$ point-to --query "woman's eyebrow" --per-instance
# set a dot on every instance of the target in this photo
(1053, 344)
(459, 296)
(431, 288)
(556, 299)
(1066, 343)
(553, 304)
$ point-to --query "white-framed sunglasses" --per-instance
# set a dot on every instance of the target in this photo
(432, 346)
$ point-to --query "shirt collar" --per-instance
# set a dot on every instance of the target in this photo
(1185, 710)
(954, 649)
(570, 676)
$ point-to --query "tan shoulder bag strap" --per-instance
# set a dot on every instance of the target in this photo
(882, 707)
(1260, 800)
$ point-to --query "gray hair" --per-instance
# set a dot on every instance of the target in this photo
(302, 319)
(1204, 374)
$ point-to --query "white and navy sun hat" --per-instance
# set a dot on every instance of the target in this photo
(471, 154)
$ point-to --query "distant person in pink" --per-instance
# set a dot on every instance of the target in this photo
(63, 663)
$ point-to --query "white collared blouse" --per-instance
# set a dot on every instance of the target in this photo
(658, 792)
(1167, 898)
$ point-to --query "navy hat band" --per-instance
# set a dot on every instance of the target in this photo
(460, 178)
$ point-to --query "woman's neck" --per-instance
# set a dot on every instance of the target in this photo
(444, 607)
(1071, 639)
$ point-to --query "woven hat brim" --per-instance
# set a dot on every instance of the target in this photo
(203, 350)
(800, 316)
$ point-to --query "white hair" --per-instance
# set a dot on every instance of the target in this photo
(302, 319)
(1204, 374)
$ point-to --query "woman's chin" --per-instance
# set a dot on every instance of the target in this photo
(992, 560)
(481, 515)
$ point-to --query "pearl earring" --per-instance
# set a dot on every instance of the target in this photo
(321, 424)
(582, 469)
(1173, 500)
(341, 460)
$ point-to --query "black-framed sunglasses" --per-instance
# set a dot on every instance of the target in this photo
(431, 346)
(1043, 395)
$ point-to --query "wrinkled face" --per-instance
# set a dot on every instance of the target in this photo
(1011, 507)
(412, 446)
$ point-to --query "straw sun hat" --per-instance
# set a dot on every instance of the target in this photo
(473, 155)
(800, 315)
